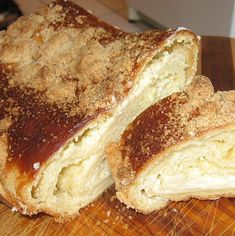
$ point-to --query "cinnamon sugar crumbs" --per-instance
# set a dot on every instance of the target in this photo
(61, 50)
(62, 63)
(81, 19)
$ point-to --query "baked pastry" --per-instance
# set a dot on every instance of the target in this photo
(182, 147)
(70, 84)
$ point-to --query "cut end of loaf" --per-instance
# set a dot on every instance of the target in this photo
(179, 148)
(203, 168)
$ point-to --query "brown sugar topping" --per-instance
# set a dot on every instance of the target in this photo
(59, 69)
(177, 118)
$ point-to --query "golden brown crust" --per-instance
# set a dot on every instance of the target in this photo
(177, 118)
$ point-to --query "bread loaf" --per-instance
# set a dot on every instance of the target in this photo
(70, 84)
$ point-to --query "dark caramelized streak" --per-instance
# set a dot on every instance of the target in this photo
(38, 129)
(152, 132)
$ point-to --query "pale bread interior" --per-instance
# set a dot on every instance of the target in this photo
(78, 173)
(203, 168)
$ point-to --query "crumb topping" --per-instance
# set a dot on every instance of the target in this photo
(178, 117)
(63, 52)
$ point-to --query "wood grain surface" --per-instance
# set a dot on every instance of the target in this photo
(107, 216)
(218, 60)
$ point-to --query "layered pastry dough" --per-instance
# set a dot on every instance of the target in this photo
(70, 84)
(181, 147)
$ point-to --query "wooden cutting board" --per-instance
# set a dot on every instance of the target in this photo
(107, 216)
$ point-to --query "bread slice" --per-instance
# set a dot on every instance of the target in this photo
(70, 84)
(180, 148)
